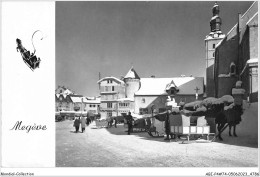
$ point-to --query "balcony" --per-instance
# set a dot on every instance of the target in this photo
(107, 109)
(108, 92)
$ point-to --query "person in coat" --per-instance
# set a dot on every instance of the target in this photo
(83, 123)
(76, 124)
(130, 121)
(115, 120)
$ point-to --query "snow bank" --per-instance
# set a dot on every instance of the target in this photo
(204, 109)
(229, 107)
(224, 99)
(253, 60)
(209, 101)
(193, 104)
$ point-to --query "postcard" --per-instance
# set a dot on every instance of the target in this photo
(146, 88)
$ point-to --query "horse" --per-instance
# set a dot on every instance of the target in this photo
(230, 117)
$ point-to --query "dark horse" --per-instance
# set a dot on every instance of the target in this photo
(230, 117)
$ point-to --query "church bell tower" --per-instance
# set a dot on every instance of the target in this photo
(211, 41)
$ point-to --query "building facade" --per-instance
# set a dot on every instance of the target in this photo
(237, 57)
(153, 93)
(92, 105)
(146, 95)
(111, 89)
(67, 101)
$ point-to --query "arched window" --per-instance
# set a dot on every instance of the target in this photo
(232, 68)
(213, 46)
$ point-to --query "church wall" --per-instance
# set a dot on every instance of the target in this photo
(226, 54)
(225, 85)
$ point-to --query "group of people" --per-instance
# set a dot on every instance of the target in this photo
(112, 121)
(81, 121)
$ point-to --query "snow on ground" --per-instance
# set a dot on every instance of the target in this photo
(249, 124)
(114, 148)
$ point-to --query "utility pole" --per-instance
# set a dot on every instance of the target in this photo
(99, 77)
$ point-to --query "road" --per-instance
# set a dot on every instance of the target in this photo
(114, 148)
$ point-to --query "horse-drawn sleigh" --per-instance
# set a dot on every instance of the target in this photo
(29, 59)
(197, 119)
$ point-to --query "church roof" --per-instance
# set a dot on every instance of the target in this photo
(132, 74)
(157, 86)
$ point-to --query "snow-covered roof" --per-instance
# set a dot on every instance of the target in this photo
(77, 99)
(132, 74)
(97, 101)
(249, 8)
(252, 18)
(67, 92)
(252, 60)
(111, 77)
(219, 43)
(85, 100)
(125, 99)
(156, 86)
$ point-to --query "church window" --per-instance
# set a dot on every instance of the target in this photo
(113, 88)
(232, 68)
(213, 46)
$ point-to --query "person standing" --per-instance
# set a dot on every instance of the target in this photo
(83, 123)
(115, 121)
(88, 121)
(129, 122)
(76, 124)
(167, 126)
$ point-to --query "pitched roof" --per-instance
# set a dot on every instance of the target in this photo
(111, 77)
(125, 99)
(157, 86)
(76, 99)
(131, 74)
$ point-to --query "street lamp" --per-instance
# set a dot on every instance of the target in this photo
(153, 119)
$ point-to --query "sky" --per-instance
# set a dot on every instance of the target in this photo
(165, 39)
